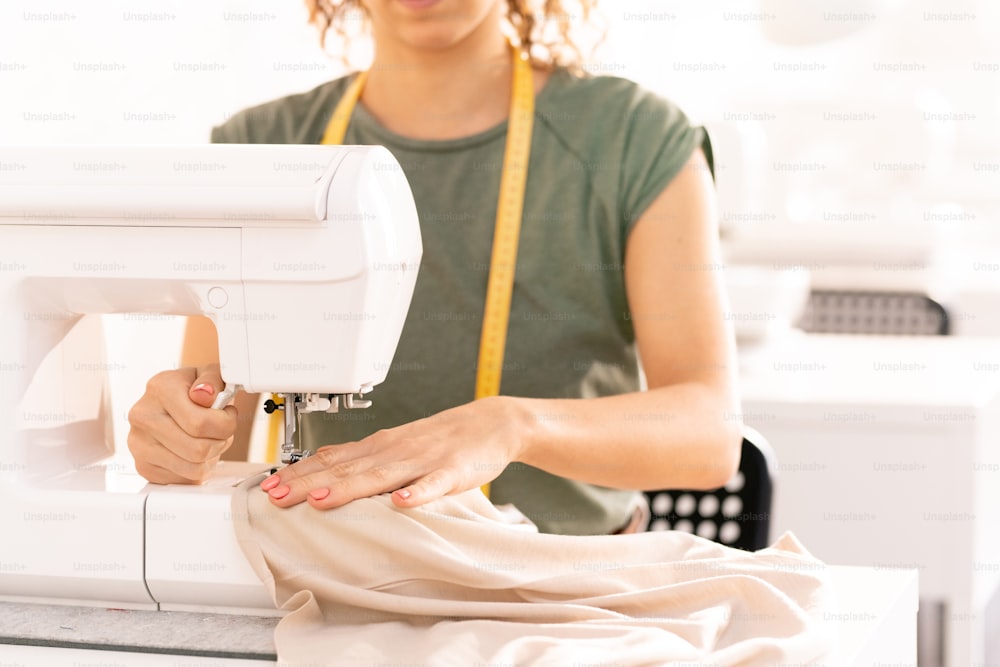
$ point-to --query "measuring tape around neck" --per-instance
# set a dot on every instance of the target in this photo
(506, 231)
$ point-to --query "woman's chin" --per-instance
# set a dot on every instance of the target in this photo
(417, 5)
(432, 38)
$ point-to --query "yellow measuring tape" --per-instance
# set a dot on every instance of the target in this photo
(506, 232)
(341, 118)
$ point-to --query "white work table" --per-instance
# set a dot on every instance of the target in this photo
(875, 617)
(888, 454)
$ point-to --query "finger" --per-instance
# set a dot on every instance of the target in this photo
(376, 480)
(198, 421)
(347, 481)
(206, 386)
(287, 484)
(434, 485)
(171, 390)
(163, 430)
(158, 464)
(157, 475)
(325, 494)
(323, 458)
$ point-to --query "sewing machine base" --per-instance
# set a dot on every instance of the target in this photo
(103, 537)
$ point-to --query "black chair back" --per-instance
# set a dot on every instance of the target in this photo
(736, 515)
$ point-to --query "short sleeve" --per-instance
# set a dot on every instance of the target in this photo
(659, 140)
(233, 131)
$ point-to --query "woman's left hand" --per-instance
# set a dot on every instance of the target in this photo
(447, 453)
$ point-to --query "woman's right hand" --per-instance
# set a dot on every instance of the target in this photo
(176, 437)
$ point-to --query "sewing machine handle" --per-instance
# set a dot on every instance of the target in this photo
(226, 395)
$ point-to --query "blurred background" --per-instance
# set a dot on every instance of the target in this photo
(860, 134)
(857, 160)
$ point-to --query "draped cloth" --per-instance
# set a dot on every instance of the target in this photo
(461, 582)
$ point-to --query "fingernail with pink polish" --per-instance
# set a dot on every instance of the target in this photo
(279, 492)
(270, 482)
(319, 494)
(403, 493)
(207, 388)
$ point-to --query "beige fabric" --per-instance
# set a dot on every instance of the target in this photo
(458, 582)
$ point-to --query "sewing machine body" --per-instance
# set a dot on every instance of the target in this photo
(305, 257)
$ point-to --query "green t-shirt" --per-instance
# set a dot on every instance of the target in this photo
(602, 150)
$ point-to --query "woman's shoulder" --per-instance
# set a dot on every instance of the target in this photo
(629, 141)
(599, 105)
(293, 119)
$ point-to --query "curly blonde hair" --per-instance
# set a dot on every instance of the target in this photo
(543, 28)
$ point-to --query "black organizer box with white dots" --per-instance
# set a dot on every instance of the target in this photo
(737, 515)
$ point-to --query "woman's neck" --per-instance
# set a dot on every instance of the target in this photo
(441, 94)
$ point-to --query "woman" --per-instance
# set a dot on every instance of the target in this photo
(618, 241)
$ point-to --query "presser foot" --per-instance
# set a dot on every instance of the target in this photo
(288, 458)
(296, 404)
(294, 457)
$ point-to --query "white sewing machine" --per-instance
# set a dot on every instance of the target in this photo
(305, 258)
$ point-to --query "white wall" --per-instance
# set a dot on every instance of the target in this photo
(127, 72)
